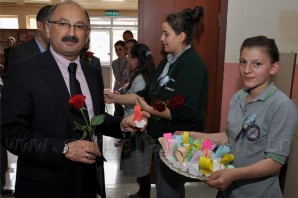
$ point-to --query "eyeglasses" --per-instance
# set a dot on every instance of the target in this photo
(66, 26)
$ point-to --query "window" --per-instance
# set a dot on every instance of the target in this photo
(31, 22)
(105, 31)
(9, 22)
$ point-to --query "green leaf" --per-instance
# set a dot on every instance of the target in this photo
(93, 128)
(97, 120)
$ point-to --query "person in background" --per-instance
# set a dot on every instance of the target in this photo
(137, 163)
(141, 65)
(89, 57)
(129, 43)
(181, 76)
(29, 48)
(37, 44)
(127, 34)
(3, 153)
(121, 71)
(122, 75)
(11, 41)
(262, 147)
(37, 121)
(1, 76)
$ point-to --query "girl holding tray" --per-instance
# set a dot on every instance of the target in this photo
(261, 123)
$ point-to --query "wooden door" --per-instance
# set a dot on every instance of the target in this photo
(210, 43)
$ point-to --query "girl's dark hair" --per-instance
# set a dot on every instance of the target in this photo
(187, 21)
(131, 40)
(145, 65)
(262, 42)
(120, 42)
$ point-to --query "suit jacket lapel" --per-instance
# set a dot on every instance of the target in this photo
(56, 82)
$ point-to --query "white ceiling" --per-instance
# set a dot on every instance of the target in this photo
(87, 4)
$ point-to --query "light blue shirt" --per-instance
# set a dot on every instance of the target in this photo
(39, 45)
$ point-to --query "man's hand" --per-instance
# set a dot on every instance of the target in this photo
(128, 124)
(82, 151)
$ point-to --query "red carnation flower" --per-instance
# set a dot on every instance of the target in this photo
(77, 101)
(176, 102)
(89, 54)
(159, 105)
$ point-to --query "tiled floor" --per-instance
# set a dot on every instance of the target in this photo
(118, 186)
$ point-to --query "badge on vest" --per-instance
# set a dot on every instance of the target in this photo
(253, 133)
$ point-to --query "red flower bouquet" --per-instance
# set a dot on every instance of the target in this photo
(77, 102)
(174, 103)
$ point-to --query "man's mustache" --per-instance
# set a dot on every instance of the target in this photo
(70, 38)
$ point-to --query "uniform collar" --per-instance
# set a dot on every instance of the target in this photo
(263, 96)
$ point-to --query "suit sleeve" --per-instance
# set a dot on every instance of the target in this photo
(111, 127)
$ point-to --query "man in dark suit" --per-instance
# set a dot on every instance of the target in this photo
(36, 45)
(37, 121)
(29, 48)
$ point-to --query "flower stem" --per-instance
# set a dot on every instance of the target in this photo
(89, 125)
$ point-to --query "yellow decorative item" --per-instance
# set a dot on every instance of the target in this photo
(206, 165)
(198, 146)
(185, 138)
(227, 158)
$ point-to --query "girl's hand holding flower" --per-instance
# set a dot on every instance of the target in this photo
(144, 105)
(109, 97)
